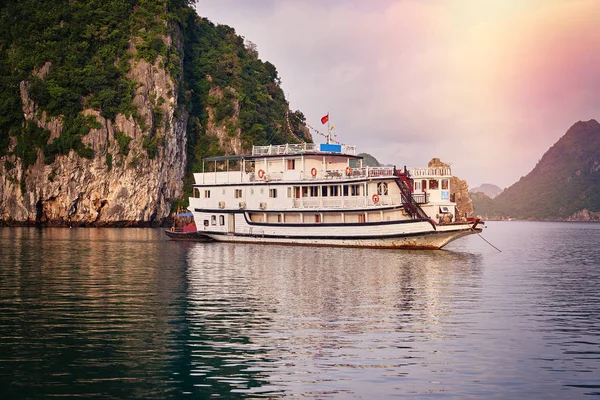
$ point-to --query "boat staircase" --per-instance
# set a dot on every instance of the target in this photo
(408, 201)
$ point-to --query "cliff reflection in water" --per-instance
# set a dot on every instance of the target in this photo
(318, 321)
(88, 312)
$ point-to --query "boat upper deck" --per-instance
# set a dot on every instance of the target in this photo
(297, 175)
(305, 162)
(303, 148)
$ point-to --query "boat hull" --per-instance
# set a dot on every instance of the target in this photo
(405, 234)
(420, 242)
(188, 236)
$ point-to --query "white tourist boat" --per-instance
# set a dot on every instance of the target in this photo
(321, 195)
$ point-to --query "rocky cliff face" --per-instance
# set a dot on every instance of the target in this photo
(585, 216)
(459, 191)
(488, 189)
(111, 188)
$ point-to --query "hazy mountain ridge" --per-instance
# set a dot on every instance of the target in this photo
(488, 189)
(564, 185)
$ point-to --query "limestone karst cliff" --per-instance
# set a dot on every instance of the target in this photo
(106, 108)
(459, 191)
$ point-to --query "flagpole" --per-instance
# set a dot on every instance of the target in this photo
(328, 132)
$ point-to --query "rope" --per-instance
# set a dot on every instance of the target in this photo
(489, 243)
(289, 126)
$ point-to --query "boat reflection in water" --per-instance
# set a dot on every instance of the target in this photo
(126, 313)
(275, 320)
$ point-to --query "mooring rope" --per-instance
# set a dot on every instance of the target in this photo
(489, 243)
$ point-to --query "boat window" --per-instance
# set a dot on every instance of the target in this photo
(221, 220)
(314, 191)
(444, 184)
(206, 194)
(317, 217)
(291, 164)
(289, 193)
(196, 193)
(279, 218)
(323, 191)
(304, 191)
(213, 219)
(424, 184)
(361, 218)
(417, 185)
(345, 190)
(382, 188)
(335, 190)
(273, 193)
(205, 222)
(434, 184)
(238, 193)
(444, 210)
(355, 190)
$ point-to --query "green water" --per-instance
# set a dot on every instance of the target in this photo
(126, 313)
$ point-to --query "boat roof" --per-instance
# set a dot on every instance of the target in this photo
(225, 158)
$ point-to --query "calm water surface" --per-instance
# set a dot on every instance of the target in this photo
(126, 313)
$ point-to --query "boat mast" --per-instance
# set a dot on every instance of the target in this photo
(328, 137)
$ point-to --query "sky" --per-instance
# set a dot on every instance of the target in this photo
(485, 85)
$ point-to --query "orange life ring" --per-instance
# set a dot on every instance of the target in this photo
(375, 198)
(261, 173)
(313, 172)
(348, 171)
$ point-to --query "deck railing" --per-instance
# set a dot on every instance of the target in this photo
(345, 202)
(267, 176)
(286, 149)
(426, 172)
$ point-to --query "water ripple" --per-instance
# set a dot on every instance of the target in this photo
(124, 313)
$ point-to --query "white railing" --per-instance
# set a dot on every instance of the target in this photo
(427, 172)
(380, 171)
(286, 149)
(334, 174)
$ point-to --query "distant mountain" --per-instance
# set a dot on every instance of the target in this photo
(564, 185)
(488, 189)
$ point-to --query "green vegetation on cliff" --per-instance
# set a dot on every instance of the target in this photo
(215, 57)
(566, 180)
(75, 55)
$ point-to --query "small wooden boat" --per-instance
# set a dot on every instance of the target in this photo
(188, 232)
